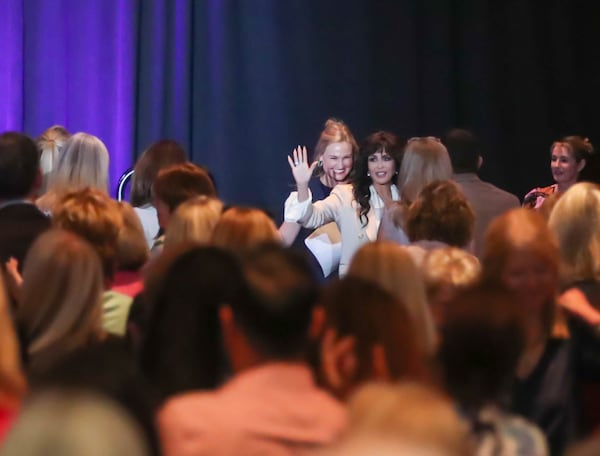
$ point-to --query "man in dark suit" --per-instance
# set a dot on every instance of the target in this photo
(20, 220)
(487, 200)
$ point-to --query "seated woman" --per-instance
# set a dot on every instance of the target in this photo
(60, 308)
(521, 255)
(356, 208)
(483, 338)
(242, 228)
(194, 222)
(159, 155)
(439, 217)
(367, 335)
(50, 142)
(82, 162)
(391, 267)
(568, 158)
(425, 160)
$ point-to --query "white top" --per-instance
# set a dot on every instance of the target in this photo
(149, 218)
(340, 207)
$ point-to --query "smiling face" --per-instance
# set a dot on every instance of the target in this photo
(381, 168)
(337, 161)
(565, 168)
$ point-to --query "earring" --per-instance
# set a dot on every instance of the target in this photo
(368, 174)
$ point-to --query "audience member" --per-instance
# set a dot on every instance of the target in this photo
(159, 155)
(194, 222)
(20, 221)
(487, 200)
(82, 162)
(391, 267)
(367, 335)
(91, 214)
(242, 228)
(271, 406)
(50, 143)
(483, 338)
(425, 160)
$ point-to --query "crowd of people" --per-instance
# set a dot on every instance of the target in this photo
(404, 306)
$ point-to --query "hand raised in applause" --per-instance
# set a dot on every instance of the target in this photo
(301, 170)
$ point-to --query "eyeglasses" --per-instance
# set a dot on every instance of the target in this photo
(424, 138)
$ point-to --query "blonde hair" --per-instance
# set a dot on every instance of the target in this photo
(74, 424)
(12, 380)
(410, 412)
(449, 267)
(241, 228)
(526, 230)
(60, 308)
(49, 144)
(82, 162)
(95, 217)
(392, 268)
(575, 220)
(425, 160)
(132, 248)
(335, 131)
(193, 221)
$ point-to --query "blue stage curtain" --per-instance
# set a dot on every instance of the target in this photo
(241, 82)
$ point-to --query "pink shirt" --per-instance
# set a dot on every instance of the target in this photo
(271, 410)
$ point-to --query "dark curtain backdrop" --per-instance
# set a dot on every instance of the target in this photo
(239, 83)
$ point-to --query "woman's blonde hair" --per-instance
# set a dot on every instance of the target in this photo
(449, 267)
(60, 308)
(132, 248)
(526, 230)
(411, 412)
(241, 228)
(575, 219)
(335, 131)
(50, 142)
(392, 268)
(425, 160)
(194, 221)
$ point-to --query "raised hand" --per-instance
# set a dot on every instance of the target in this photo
(301, 169)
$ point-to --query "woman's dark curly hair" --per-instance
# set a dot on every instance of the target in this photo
(381, 141)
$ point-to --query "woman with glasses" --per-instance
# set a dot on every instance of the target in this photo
(357, 207)
(568, 159)
(425, 160)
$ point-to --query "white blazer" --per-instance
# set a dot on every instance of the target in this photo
(341, 208)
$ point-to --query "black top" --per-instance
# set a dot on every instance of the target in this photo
(546, 397)
(20, 224)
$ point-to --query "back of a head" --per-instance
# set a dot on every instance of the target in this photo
(442, 213)
(517, 229)
(83, 162)
(181, 348)
(391, 267)
(360, 309)
(159, 155)
(194, 221)
(73, 424)
(276, 312)
(177, 183)
(91, 214)
(60, 306)
(464, 150)
(482, 340)
(19, 165)
(241, 228)
(49, 143)
(575, 219)
(425, 160)
(411, 413)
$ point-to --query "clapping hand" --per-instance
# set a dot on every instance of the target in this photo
(301, 170)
